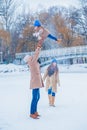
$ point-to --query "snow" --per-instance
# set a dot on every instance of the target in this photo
(70, 112)
(12, 68)
(80, 68)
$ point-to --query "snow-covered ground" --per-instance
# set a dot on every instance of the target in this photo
(12, 68)
(70, 112)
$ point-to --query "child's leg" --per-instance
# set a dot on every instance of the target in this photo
(53, 98)
(49, 95)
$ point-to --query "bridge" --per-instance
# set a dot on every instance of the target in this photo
(66, 54)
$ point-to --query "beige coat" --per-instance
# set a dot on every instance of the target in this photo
(36, 79)
(51, 81)
(44, 33)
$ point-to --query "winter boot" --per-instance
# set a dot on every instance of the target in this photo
(53, 100)
(37, 114)
(34, 116)
(50, 99)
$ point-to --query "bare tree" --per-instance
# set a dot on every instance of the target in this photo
(8, 15)
(64, 26)
(84, 17)
(22, 34)
(1, 1)
(8, 9)
(79, 19)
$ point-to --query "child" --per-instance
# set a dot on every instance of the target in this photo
(52, 79)
(41, 33)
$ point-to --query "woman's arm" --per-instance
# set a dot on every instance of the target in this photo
(45, 75)
(36, 54)
(58, 80)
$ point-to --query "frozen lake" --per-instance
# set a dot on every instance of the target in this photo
(70, 112)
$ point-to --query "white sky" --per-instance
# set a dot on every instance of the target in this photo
(39, 4)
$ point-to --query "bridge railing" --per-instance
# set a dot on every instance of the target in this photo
(65, 51)
(59, 52)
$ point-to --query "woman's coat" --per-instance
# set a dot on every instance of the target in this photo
(36, 79)
(51, 81)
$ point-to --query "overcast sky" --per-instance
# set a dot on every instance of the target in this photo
(38, 4)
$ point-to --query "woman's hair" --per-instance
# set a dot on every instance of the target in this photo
(39, 61)
(52, 69)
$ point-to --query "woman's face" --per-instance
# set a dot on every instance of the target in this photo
(54, 64)
(30, 58)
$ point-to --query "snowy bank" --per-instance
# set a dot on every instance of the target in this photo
(12, 68)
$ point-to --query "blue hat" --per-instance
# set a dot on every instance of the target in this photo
(37, 23)
(54, 60)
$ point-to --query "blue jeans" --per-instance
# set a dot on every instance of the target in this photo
(35, 99)
(50, 92)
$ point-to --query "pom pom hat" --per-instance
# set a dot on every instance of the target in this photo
(54, 60)
(37, 23)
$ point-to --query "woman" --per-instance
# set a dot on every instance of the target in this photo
(35, 81)
(52, 78)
